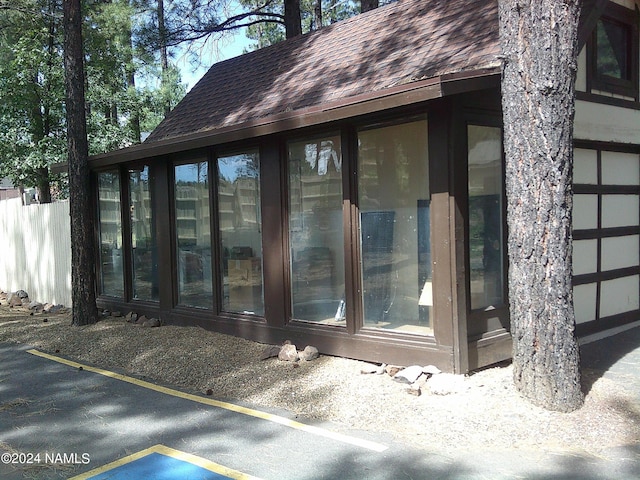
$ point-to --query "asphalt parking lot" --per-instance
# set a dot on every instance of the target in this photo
(60, 419)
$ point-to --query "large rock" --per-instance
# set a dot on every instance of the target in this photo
(288, 353)
(309, 353)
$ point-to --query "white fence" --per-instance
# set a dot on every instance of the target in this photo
(35, 250)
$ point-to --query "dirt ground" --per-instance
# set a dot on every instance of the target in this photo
(484, 411)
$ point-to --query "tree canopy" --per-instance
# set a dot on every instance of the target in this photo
(131, 77)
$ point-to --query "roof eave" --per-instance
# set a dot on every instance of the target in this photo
(393, 97)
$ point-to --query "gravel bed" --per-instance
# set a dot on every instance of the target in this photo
(485, 413)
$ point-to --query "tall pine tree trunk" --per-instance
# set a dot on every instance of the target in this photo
(366, 5)
(83, 256)
(292, 18)
(539, 42)
(164, 56)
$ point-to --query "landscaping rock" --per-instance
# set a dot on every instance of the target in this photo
(309, 353)
(369, 369)
(14, 300)
(36, 306)
(409, 374)
(270, 351)
(50, 308)
(288, 353)
(431, 370)
(152, 322)
(392, 370)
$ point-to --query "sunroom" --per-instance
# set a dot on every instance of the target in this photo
(342, 189)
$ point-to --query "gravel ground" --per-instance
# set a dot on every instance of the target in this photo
(487, 411)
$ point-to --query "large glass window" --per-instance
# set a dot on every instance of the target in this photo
(143, 235)
(110, 225)
(241, 232)
(394, 201)
(193, 235)
(486, 257)
(316, 230)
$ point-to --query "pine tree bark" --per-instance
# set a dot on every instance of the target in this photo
(539, 43)
(366, 5)
(82, 242)
(292, 18)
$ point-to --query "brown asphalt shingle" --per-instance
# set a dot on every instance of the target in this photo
(404, 42)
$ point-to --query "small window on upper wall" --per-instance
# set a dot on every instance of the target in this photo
(614, 52)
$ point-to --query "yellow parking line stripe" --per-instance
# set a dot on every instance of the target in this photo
(377, 447)
(170, 452)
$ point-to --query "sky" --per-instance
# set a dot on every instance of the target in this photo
(227, 48)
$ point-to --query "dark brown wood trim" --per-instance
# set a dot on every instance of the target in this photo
(606, 275)
(127, 257)
(274, 227)
(607, 189)
(588, 20)
(489, 349)
(608, 146)
(351, 220)
(606, 100)
(449, 328)
(594, 233)
(164, 233)
(607, 323)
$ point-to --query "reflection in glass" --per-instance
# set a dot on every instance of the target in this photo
(143, 235)
(110, 224)
(316, 230)
(241, 232)
(485, 216)
(193, 233)
(394, 201)
(612, 49)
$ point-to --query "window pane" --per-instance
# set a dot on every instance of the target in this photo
(143, 235)
(111, 272)
(394, 200)
(613, 49)
(316, 230)
(485, 216)
(241, 232)
(193, 233)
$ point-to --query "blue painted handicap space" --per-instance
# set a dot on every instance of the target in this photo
(163, 463)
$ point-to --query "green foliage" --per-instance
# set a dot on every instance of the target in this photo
(271, 32)
(128, 86)
(32, 111)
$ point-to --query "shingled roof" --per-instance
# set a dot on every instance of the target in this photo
(387, 49)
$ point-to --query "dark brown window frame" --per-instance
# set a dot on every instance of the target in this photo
(494, 319)
(603, 83)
